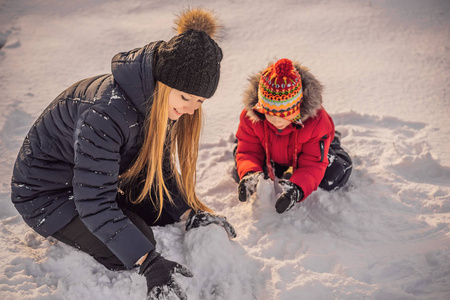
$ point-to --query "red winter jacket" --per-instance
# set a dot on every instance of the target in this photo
(305, 149)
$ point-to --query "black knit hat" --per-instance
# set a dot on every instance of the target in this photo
(190, 61)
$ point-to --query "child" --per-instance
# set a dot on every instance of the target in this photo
(124, 132)
(285, 125)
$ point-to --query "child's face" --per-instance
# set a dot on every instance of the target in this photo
(181, 103)
(278, 122)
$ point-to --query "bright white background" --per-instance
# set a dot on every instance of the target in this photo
(386, 68)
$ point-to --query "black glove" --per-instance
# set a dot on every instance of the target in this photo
(202, 218)
(247, 185)
(290, 195)
(159, 274)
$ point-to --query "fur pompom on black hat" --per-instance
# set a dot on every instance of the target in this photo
(190, 61)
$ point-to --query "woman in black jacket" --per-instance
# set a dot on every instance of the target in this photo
(99, 165)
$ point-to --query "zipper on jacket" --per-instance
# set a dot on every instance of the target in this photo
(322, 147)
(120, 191)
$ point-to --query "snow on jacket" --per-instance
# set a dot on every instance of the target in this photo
(70, 160)
(304, 148)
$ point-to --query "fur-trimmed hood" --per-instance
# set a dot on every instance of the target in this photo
(312, 94)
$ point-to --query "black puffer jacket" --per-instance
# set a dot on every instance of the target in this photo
(71, 158)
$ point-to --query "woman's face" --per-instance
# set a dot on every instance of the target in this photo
(181, 103)
(278, 122)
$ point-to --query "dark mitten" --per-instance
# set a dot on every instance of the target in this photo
(202, 218)
(247, 185)
(290, 195)
(159, 274)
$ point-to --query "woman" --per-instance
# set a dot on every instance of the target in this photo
(125, 132)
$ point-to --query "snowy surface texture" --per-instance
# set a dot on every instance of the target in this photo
(386, 68)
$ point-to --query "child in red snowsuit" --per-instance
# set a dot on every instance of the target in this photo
(285, 125)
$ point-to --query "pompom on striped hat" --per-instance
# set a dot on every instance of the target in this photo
(280, 92)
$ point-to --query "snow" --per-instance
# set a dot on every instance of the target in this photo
(386, 68)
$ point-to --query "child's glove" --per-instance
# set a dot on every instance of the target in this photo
(290, 195)
(247, 185)
(158, 272)
(202, 218)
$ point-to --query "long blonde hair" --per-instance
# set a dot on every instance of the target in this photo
(184, 141)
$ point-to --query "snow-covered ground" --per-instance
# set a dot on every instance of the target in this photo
(386, 68)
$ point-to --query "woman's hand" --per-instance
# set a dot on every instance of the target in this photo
(202, 218)
(159, 274)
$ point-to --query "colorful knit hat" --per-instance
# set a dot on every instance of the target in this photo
(280, 92)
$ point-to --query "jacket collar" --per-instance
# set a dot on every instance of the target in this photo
(133, 72)
(284, 131)
(312, 94)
